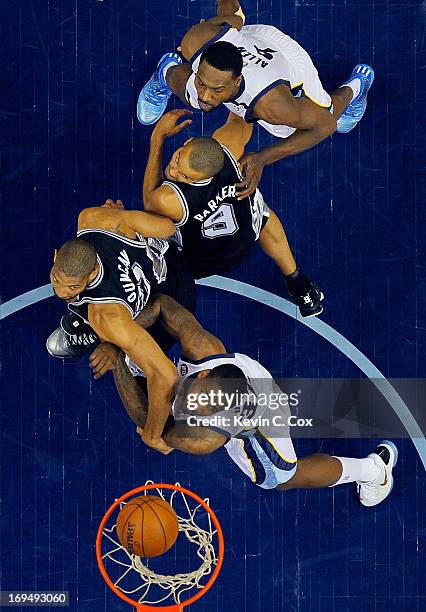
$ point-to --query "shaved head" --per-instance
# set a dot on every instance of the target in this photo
(206, 156)
(76, 258)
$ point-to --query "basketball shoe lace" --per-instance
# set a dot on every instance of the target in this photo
(156, 89)
(81, 339)
(370, 489)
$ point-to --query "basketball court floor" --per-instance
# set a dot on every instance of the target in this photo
(353, 210)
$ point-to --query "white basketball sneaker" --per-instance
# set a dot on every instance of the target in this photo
(375, 491)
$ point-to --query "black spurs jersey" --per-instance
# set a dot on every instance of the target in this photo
(129, 271)
(217, 230)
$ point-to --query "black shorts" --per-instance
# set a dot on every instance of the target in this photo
(230, 255)
(179, 283)
(180, 286)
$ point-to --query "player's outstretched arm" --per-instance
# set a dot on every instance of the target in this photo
(132, 396)
(158, 198)
(196, 342)
(234, 134)
(228, 7)
(113, 323)
(313, 124)
(126, 222)
(228, 11)
(177, 435)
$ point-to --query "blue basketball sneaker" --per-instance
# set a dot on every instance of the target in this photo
(356, 109)
(154, 96)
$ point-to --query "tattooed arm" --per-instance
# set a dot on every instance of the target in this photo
(196, 342)
(192, 440)
(133, 398)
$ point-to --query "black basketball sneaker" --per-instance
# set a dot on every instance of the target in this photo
(307, 295)
(72, 339)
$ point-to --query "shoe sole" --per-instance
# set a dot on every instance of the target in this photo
(395, 459)
(59, 356)
(139, 113)
(393, 447)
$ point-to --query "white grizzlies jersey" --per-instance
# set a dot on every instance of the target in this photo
(261, 449)
(270, 58)
(250, 411)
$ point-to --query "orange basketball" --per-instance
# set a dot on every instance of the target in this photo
(147, 526)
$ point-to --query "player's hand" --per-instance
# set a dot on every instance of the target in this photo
(252, 167)
(103, 359)
(156, 443)
(111, 204)
(168, 124)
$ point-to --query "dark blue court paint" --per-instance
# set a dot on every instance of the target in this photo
(354, 212)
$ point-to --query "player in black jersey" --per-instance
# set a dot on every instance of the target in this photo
(107, 276)
(216, 229)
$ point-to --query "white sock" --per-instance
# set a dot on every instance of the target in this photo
(361, 470)
(165, 69)
(355, 85)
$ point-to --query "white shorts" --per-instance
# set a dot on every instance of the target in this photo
(267, 462)
(305, 78)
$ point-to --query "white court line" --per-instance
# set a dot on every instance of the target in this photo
(286, 307)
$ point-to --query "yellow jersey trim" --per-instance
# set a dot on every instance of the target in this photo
(276, 450)
(310, 97)
(250, 462)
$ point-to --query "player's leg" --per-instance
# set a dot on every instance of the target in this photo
(341, 98)
(274, 243)
(373, 474)
(349, 101)
(176, 78)
(314, 471)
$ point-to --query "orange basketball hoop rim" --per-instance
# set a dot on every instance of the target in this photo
(140, 607)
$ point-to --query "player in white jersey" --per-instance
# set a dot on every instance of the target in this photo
(261, 74)
(218, 403)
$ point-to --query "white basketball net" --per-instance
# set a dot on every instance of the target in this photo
(173, 586)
